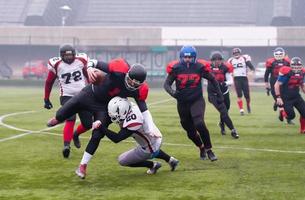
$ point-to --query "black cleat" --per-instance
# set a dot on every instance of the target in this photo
(222, 128)
(234, 134)
(290, 122)
(173, 163)
(76, 140)
(203, 155)
(275, 107)
(211, 155)
(66, 151)
(249, 109)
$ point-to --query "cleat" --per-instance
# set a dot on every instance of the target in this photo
(242, 112)
(76, 140)
(66, 151)
(52, 122)
(203, 155)
(211, 155)
(155, 168)
(248, 109)
(81, 171)
(173, 163)
(234, 134)
(290, 122)
(275, 107)
(222, 128)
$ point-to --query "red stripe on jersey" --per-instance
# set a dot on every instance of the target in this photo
(147, 141)
(49, 84)
(118, 65)
(56, 65)
(143, 91)
(170, 66)
(83, 60)
(134, 124)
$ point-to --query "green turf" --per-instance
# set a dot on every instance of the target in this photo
(32, 167)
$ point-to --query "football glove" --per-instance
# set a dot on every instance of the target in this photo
(47, 104)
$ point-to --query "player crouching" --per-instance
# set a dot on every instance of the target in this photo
(148, 136)
(288, 93)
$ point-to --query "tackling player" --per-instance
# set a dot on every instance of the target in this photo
(187, 74)
(129, 117)
(71, 71)
(240, 63)
(287, 90)
(120, 79)
(223, 74)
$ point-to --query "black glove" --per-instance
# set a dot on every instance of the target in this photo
(47, 104)
(268, 91)
(176, 95)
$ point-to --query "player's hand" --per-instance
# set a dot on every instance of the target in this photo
(96, 124)
(279, 101)
(47, 104)
(176, 94)
(92, 74)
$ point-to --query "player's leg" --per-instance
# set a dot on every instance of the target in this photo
(246, 91)
(188, 125)
(197, 113)
(300, 106)
(68, 129)
(287, 111)
(86, 119)
(272, 82)
(172, 161)
(137, 157)
(213, 100)
(238, 89)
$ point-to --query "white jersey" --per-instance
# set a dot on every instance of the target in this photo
(71, 77)
(149, 141)
(239, 65)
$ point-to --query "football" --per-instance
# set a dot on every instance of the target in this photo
(100, 76)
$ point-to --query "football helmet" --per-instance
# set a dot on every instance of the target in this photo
(118, 109)
(135, 77)
(236, 52)
(279, 53)
(296, 64)
(67, 53)
(188, 51)
(216, 58)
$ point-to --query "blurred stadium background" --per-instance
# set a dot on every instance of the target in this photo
(147, 31)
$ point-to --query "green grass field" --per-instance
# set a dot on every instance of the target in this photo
(267, 162)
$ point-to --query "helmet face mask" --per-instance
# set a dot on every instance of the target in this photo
(118, 109)
(296, 64)
(135, 77)
(279, 53)
(67, 54)
(188, 54)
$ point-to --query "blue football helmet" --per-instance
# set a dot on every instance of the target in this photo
(188, 51)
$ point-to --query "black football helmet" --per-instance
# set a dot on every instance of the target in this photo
(135, 77)
(67, 53)
(236, 52)
(216, 55)
(296, 64)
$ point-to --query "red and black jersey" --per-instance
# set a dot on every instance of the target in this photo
(291, 82)
(114, 83)
(220, 75)
(273, 67)
(188, 78)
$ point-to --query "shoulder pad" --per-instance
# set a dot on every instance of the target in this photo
(54, 61)
(205, 65)
(170, 66)
(287, 59)
(303, 70)
(229, 67)
(230, 60)
(202, 61)
(247, 57)
(284, 70)
(82, 56)
(118, 65)
(269, 62)
(143, 91)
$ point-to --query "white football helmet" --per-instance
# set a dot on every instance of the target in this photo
(118, 109)
(279, 53)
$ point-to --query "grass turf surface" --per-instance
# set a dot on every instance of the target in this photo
(32, 166)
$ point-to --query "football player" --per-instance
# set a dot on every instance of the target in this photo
(287, 90)
(129, 117)
(71, 71)
(120, 79)
(223, 74)
(273, 66)
(187, 74)
(240, 63)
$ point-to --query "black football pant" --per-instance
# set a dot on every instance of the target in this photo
(85, 102)
(242, 87)
(222, 109)
(192, 120)
(296, 102)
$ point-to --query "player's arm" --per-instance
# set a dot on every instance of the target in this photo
(117, 137)
(207, 75)
(51, 77)
(249, 64)
(168, 85)
(229, 79)
(282, 79)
